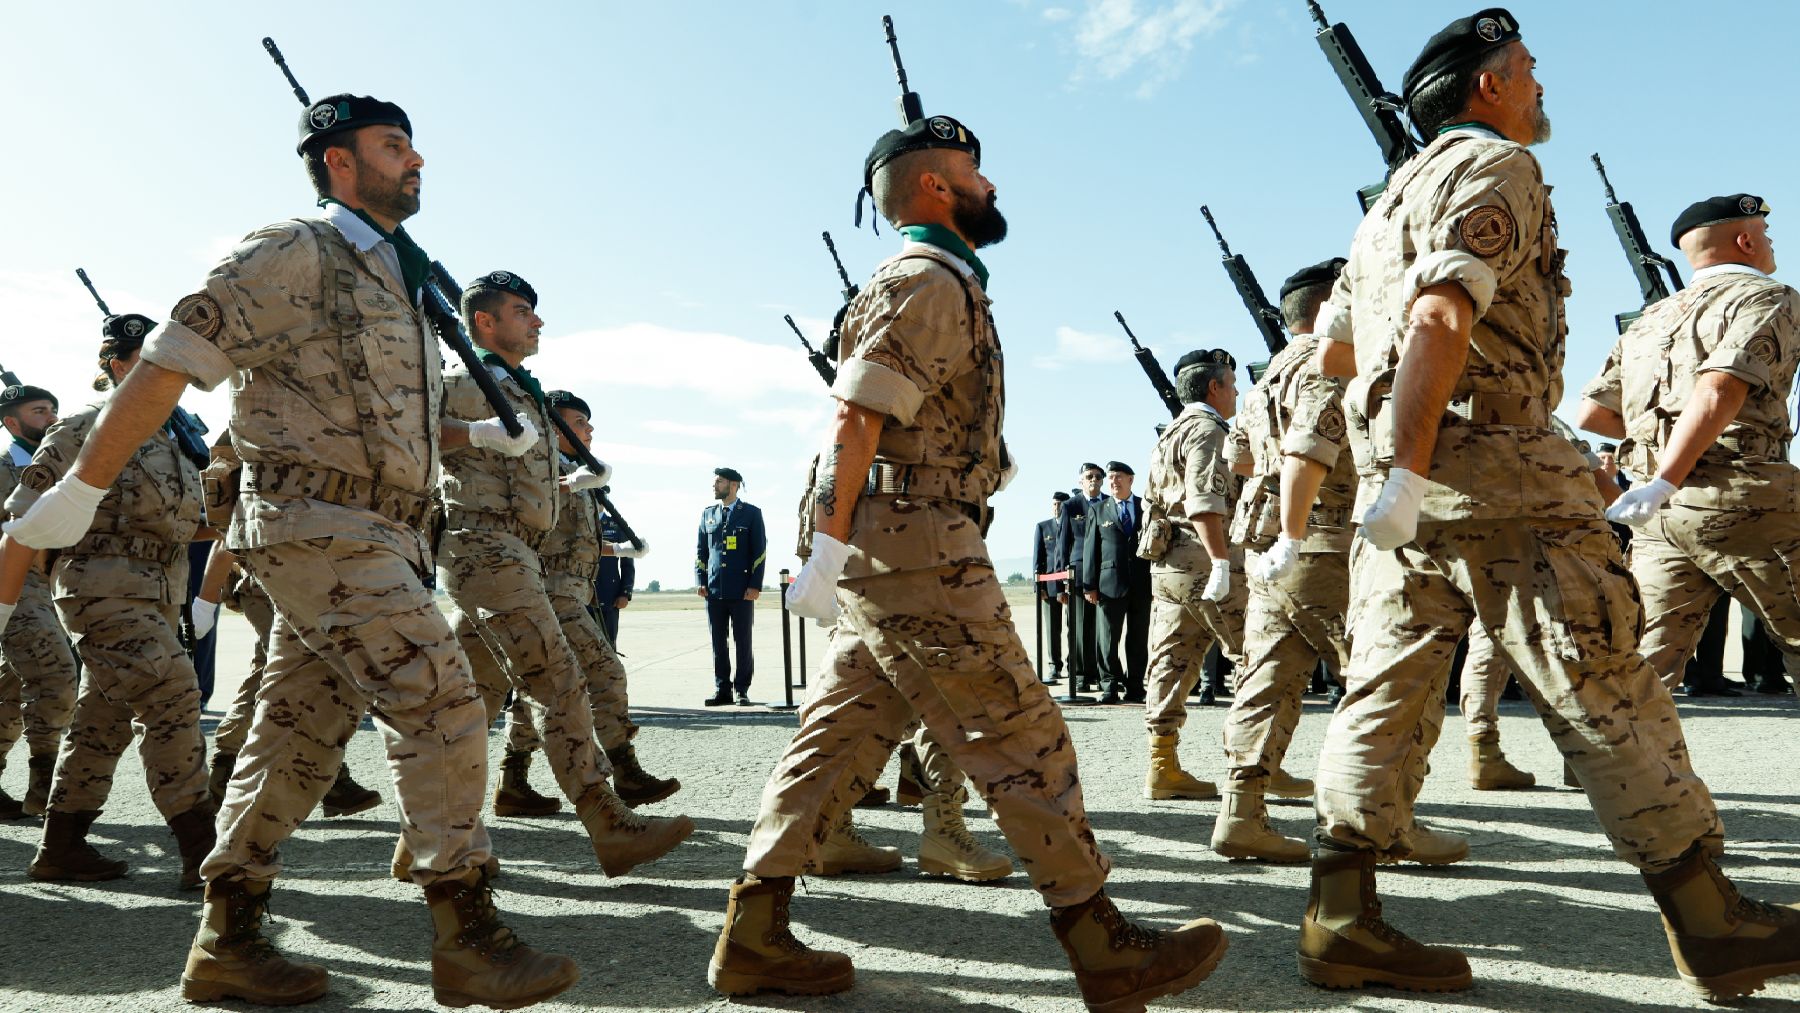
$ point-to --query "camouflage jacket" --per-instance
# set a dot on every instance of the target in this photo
(487, 490)
(571, 552)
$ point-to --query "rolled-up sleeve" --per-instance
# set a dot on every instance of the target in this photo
(1607, 388)
(908, 334)
(1205, 477)
(1317, 431)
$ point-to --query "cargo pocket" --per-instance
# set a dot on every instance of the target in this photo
(1589, 602)
(379, 357)
(981, 681)
(401, 662)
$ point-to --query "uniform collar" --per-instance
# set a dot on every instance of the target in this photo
(941, 238)
(1210, 410)
(1471, 129)
(355, 231)
(20, 451)
(1719, 269)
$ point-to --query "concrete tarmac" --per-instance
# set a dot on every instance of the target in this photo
(1550, 919)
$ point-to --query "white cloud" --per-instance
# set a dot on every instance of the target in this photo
(1120, 38)
(700, 429)
(1075, 347)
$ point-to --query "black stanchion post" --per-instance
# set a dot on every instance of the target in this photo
(802, 654)
(787, 657)
(1074, 698)
(1037, 615)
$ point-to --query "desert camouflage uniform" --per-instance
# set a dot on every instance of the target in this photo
(499, 511)
(119, 592)
(1510, 528)
(244, 595)
(37, 670)
(1734, 526)
(335, 414)
(919, 590)
(1190, 475)
(1295, 621)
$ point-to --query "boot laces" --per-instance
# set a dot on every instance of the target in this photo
(1123, 932)
(780, 934)
(245, 933)
(1378, 927)
(482, 930)
(623, 816)
(851, 835)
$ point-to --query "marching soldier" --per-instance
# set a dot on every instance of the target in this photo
(37, 670)
(1449, 313)
(336, 413)
(1699, 388)
(900, 504)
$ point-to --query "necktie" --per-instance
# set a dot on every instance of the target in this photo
(1125, 516)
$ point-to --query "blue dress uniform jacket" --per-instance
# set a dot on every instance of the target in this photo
(1047, 555)
(729, 558)
(616, 579)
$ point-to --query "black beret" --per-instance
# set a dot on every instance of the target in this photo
(564, 399)
(1119, 466)
(729, 475)
(23, 393)
(1088, 466)
(1323, 273)
(335, 114)
(127, 327)
(1461, 43)
(1060, 496)
(502, 281)
(930, 132)
(1607, 448)
(1203, 357)
(1714, 210)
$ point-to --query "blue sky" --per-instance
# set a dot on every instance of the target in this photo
(661, 173)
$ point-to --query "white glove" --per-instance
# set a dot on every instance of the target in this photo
(1011, 472)
(59, 518)
(6, 612)
(1278, 559)
(626, 550)
(490, 434)
(1218, 584)
(1637, 505)
(1393, 520)
(205, 615)
(813, 594)
(581, 479)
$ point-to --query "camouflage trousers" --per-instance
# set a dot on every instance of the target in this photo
(503, 605)
(1685, 557)
(356, 630)
(134, 673)
(1484, 678)
(1184, 627)
(249, 598)
(1291, 624)
(943, 648)
(37, 674)
(1564, 613)
(605, 673)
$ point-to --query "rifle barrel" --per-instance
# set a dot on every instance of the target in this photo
(274, 52)
(1120, 317)
(1206, 212)
(83, 275)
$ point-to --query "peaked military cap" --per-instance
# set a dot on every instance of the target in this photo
(564, 399)
(729, 475)
(1204, 357)
(1461, 43)
(335, 114)
(1714, 210)
(24, 393)
(1323, 273)
(1119, 466)
(127, 327)
(502, 281)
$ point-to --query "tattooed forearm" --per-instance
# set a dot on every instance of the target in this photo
(844, 468)
(825, 497)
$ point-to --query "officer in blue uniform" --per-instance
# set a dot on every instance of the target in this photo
(615, 581)
(1047, 557)
(1083, 617)
(728, 567)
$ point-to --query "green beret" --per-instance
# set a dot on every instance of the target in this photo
(24, 393)
(335, 114)
(1323, 273)
(1714, 210)
(1461, 44)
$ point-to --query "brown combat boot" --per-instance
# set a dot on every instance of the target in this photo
(1120, 966)
(346, 797)
(37, 789)
(910, 788)
(1285, 785)
(946, 848)
(1489, 770)
(403, 863)
(1429, 847)
(1242, 831)
(624, 840)
(1166, 779)
(232, 959)
(1725, 944)
(632, 783)
(513, 796)
(475, 958)
(1345, 943)
(193, 839)
(846, 852)
(757, 952)
(223, 764)
(66, 856)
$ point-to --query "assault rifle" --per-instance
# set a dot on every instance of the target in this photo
(187, 429)
(1265, 316)
(1643, 260)
(827, 372)
(850, 292)
(1380, 109)
(1152, 369)
(8, 378)
(911, 108)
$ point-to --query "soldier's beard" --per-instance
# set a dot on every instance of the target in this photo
(387, 196)
(1540, 125)
(979, 219)
(30, 433)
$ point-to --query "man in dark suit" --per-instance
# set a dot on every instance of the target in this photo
(1083, 617)
(1118, 582)
(615, 581)
(728, 566)
(1047, 557)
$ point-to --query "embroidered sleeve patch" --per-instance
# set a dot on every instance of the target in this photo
(1331, 424)
(1763, 349)
(199, 313)
(37, 478)
(1487, 230)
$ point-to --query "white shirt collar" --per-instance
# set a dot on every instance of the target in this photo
(1717, 269)
(959, 263)
(1210, 410)
(16, 450)
(1474, 130)
(355, 231)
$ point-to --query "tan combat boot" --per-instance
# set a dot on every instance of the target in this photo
(1285, 785)
(1345, 943)
(347, 798)
(946, 848)
(65, 855)
(403, 863)
(624, 840)
(232, 959)
(1431, 847)
(1243, 832)
(475, 958)
(223, 764)
(631, 781)
(193, 839)
(911, 786)
(1166, 778)
(514, 796)
(1489, 769)
(1725, 944)
(1120, 966)
(37, 789)
(846, 852)
(757, 952)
